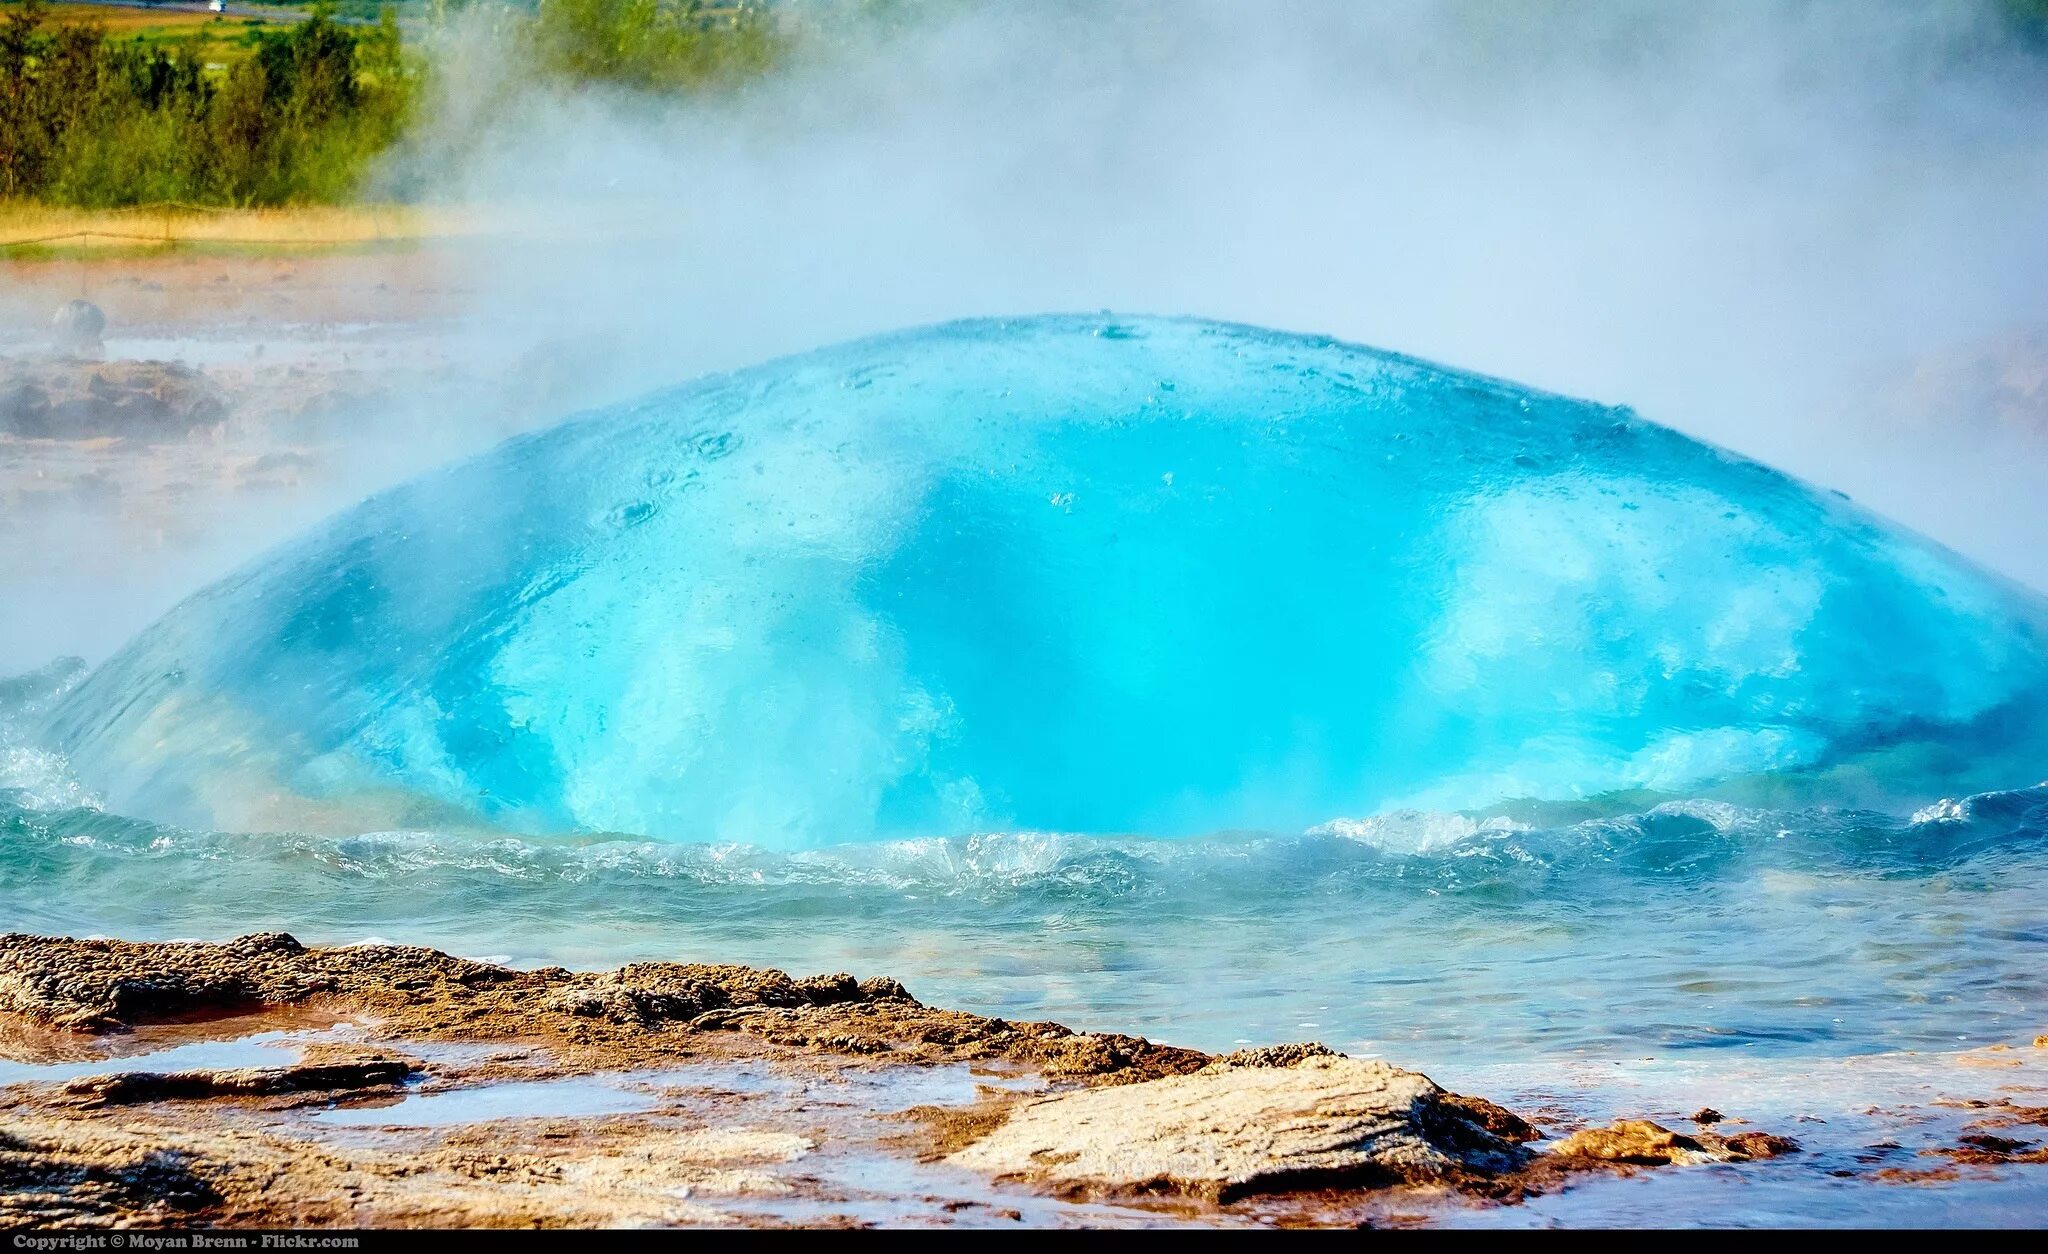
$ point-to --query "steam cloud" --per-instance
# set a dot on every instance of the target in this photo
(1753, 221)
(1748, 220)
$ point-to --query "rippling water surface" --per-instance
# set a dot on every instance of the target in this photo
(1663, 926)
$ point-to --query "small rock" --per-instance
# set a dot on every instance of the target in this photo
(77, 328)
(1707, 1116)
(1639, 1142)
(1632, 1141)
(1497, 1119)
(882, 988)
(1755, 1145)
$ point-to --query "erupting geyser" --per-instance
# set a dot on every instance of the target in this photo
(1084, 574)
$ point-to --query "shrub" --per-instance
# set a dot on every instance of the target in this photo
(88, 122)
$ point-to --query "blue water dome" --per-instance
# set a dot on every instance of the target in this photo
(1086, 574)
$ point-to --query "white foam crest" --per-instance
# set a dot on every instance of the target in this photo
(40, 780)
(1946, 810)
(1412, 832)
(1721, 815)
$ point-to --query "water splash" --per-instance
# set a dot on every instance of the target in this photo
(1079, 574)
(1679, 925)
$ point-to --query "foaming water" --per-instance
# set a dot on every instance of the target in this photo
(1675, 925)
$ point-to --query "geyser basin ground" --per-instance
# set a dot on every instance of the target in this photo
(1764, 933)
(1073, 574)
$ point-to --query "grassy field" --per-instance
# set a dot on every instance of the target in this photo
(217, 39)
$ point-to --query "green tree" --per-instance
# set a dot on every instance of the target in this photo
(24, 137)
(305, 117)
(654, 45)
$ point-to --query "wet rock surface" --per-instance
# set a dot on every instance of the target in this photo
(440, 1090)
(1233, 1130)
(637, 1010)
(94, 1179)
(153, 1086)
(1639, 1142)
(2006, 1133)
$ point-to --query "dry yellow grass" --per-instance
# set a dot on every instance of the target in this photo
(314, 226)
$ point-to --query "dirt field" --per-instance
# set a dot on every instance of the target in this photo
(121, 19)
(218, 38)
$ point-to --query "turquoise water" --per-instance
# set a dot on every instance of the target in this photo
(1087, 575)
(1688, 925)
(1155, 676)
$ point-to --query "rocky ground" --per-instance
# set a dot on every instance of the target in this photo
(413, 1087)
